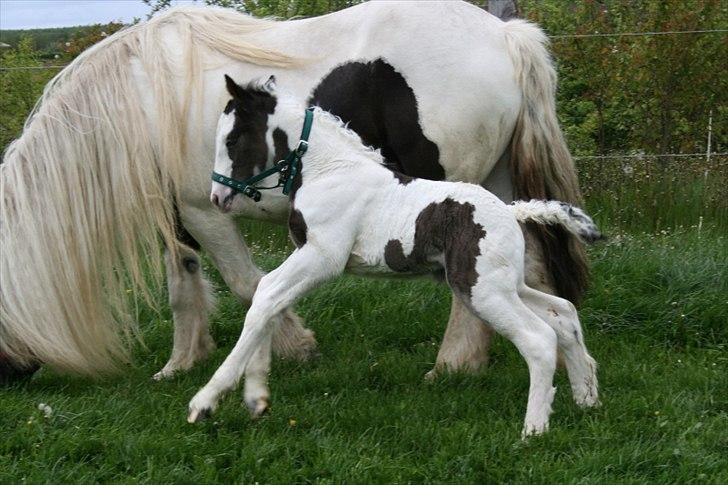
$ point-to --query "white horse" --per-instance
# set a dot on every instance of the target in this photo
(391, 223)
(117, 153)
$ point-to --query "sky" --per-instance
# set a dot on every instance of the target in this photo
(28, 14)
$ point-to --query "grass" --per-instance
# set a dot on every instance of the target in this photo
(655, 320)
(656, 194)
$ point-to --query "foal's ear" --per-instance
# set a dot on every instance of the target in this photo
(233, 88)
(270, 84)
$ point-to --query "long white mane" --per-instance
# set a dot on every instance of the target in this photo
(88, 188)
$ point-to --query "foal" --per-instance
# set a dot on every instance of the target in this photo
(349, 212)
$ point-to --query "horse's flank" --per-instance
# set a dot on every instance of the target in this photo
(91, 183)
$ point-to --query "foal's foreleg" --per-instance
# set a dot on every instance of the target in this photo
(303, 270)
(220, 237)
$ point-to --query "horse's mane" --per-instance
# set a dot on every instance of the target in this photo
(89, 186)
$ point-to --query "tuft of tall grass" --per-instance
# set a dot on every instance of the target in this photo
(654, 194)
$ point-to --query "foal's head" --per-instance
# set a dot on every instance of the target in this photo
(243, 139)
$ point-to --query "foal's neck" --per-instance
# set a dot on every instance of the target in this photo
(331, 145)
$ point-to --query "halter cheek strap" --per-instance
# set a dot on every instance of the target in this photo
(288, 168)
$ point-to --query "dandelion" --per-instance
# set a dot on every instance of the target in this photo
(292, 423)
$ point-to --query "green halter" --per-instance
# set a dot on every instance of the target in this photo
(288, 168)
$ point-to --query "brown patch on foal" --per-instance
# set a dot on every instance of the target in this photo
(297, 227)
(445, 228)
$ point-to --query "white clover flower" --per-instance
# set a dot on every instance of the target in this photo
(45, 409)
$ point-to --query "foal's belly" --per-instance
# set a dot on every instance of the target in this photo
(373, 268)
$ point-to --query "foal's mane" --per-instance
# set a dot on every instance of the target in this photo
(323, 118)
(89, 186)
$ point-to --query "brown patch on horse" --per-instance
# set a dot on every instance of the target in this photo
(446, 228)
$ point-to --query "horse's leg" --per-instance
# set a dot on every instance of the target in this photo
(465, 344)
(190, 298)
(277, 290)
(220, 237)
(561, 315)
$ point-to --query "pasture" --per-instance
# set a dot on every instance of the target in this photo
(361, 412)
(655, 317)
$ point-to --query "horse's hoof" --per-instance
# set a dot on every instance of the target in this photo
(163, 375)
(431, 375)
(258, 407)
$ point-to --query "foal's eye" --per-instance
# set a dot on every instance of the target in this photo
(230, 143)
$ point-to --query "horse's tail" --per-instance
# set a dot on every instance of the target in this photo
(555, 213)
(541, 165)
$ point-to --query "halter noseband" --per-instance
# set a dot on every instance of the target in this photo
(288, 168)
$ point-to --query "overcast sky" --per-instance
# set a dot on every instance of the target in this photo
(28, 14)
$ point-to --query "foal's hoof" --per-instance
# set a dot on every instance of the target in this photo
(588, 402)
(197, 415)
(534, 430)
(201, 406)
(258, 407)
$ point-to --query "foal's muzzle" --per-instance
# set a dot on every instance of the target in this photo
(222, 197)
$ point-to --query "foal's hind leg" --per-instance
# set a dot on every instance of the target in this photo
(190, 298)
(563, 318)
(533, 338)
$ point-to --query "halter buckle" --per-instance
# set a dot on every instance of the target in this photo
(301, 148)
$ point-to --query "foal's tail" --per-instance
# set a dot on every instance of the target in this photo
(553, 212)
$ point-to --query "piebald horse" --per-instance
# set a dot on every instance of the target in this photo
(391, 223)
(118, 152)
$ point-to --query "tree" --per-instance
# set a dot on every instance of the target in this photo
(20, 88)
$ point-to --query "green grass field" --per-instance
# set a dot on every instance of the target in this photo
(655, 320)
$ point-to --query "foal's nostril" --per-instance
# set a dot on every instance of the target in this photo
(215, 200)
